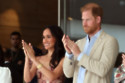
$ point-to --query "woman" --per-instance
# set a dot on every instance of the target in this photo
(119, 76)
(49, 66)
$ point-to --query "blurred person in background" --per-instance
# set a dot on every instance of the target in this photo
(5, 74)
(119, 75)
(16, 54)
(118, 62)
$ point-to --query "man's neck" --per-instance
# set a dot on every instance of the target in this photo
(91, 35)
(14, 48)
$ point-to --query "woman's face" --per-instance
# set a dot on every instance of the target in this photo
(48, 39)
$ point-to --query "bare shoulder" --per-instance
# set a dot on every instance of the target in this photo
(61, 61)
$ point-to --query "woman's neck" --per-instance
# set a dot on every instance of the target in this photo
(50, 52)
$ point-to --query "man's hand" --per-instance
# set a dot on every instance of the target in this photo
(64, 40)
(73, 47)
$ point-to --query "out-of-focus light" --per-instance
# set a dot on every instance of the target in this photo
(70, 18)
(122, 2)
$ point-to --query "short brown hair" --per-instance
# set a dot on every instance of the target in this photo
(95, 8)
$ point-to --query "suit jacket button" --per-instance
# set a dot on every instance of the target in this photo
(70, 63)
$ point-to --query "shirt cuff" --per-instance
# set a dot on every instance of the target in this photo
(69, 55)
(80, 56)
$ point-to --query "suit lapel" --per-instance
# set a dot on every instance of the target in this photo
(97, 43)
(82, 45)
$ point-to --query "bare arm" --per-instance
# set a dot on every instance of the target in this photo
(29, 72)
(29, 69)
(51, 75)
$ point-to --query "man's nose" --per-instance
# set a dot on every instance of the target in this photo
(84, 23)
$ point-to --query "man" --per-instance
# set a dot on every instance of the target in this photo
(16, 52)
(91, 59)
(14, 58)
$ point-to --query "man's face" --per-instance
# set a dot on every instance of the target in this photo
(15, 40)
(89, 22)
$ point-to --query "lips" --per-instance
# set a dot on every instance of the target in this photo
(85, 27)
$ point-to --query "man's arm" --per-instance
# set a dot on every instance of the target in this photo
(68, 67)
(107, 58)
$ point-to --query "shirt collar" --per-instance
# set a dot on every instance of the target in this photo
(95, 36)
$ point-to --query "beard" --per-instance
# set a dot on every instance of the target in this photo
(90, 30)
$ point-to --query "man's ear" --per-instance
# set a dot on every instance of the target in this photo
(98, 19)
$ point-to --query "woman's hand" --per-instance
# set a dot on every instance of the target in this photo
(28, 50)
(25, 52)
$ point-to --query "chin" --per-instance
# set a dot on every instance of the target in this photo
(46, 48)
(86, 31)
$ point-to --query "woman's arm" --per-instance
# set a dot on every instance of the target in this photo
(51, 75)
(29, 70)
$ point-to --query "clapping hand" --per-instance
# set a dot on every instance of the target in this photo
(28, 50)
(73, 47)
(65, 40)
(70, 46)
